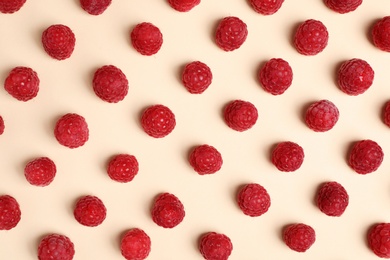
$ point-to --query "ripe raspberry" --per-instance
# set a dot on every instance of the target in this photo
(378, 238)
(11, 6)
(205, 159)
(40, 171)
(122, 168)
(2, 125)
(276, 76)
(343, 6)
(90, 211)
(58, 41)
(254, 200)
(10, 213)
(386, 113)
(381, 34)
(146, 38)
(158, 121)
(365, 157)
(287, 156)
(299, 237)
(135, 244)
(71, 130)
(332, 199)
(215, 246)
(231, 33)
(321, 116)
(55, 246)
(196, 77)
(266, 7)
(167, 210)
(22, 83)
(110, 84)
(95, 7)
(311, 37)
(183, 5)
(355, 76)
(240, 115)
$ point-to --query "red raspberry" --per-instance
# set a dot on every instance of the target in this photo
(110, 84)
(311, 37)
(55, 246)
(58, 41)
(378, 238)
(365, 157)
(90, 211)
(167, 210)
(40, 171)
(22, 83)
(266, 7)
(146, 38)
(135, 244)
(231, 33)
(355, 76)
(11, 6)
(381, 34)
(240, 115)
(287, 156)
(386, 113)
(158, 121)
(95, 7)
(332, 199)
(215, 246)
(71, 130)
(2, 125)
(205, 159)
(299, 237)
(321, 116)
(122, 168)
(183, 5)
(276, 76)
(196, 77)
(343, 6)
(254, 200)
(10, 213)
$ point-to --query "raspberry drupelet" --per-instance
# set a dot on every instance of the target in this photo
(95, 7)
(231, 33)
(215, 246)
(240, 115)
(321, 116)
(381, 34)
(253, 199)
(10, 213)
(299, 237)
(40, 171)
(332, 199)
(122, 168)
(343, 6)
(146, 38)
(266, 7)
(275, 76)
(22, 83)
(158, 121)
(183, 5)
(135, 244)
(196, 77)
(55, 247)
(71, 130)
(58, 41)
(167, 210)
(311, 37)
(205, 159)
(287, 156)
(365, 156)
(90, 211)
(11, 6)
(378, 238)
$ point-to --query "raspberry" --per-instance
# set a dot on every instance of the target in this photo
(332, 199)
(205, 159)
(276, 76)
(196, 77)
(254, 200)
(378, 238)
(183, 5)
(321, 116)
(122, 168)
(299, 237)
(71, 130)
(381, 34)
(215, 246)
(343, 6)
(311, 37)
(58, 41)
(2, 125)
(287, 156)
(11, 6)
(231, 33)
(10, 213)
(355, 76)
(90, 211)
(110, 84)
(55, 246)
(158, 121)
(40, 171)
(240, 115)
(22, 83)
(167, 210)
(95, 7)
(365, 157)
(146, 38)
(386, 113)
(135, 244)
(266, 7)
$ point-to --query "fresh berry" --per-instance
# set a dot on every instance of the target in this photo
(266, 7)
(123, 168)
(2, 125)
(386, 113)
(343, 6)
(22, 83)
(299, 237)
(355, 76)
(287, 156)
(215, 246)
(378, 238)
(95, 7)
(71, 130)
(311, 37)
(381, 34)
(110, 84)
(276, 76)
(135, 244)
(11, 6)
(90, 211)
(55, 247)
(321, 116)
(205, 159)
(40, 171)
(240, 115)
(146, 38)
(231, 33)
(365, 157)
(332, 199)
(167, 210)
(158, 121)
(183, 5)
(253, 199)
(196, 77)
(58, 41)
(10, 213)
